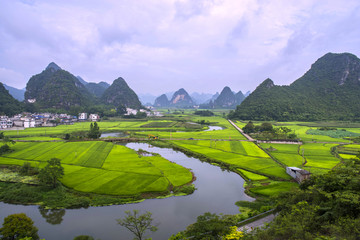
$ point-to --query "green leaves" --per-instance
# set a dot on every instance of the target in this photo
(51, 172)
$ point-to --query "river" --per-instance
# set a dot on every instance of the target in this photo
(217, 191)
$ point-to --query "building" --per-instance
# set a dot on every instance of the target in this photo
(83, 116)
(94, 117)
(298, 174)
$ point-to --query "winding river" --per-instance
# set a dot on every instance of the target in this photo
(217, 191)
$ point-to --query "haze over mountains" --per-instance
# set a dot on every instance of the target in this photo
(329, 90)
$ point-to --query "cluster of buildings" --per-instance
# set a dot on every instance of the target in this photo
(151, 113)
(28, 120)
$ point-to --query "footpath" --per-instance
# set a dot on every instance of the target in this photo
(258, 141)
(257, 224)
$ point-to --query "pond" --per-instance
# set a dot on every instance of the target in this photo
(217, 191)
(114, 134)
(214, 128)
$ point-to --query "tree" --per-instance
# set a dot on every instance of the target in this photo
(137, 224)
(94, 132)
(18, 226)
(52, 216)
(249, 127)
(53, 171)
(6, 141)
(209, 226)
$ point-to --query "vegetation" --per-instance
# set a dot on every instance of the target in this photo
(57, 88)
(137, 223)
(103, 168)
(94, 132)
(119, 94)
(9, 105)
(323, 93)
(18, 226)
(51, 173)
(326, 207)
(208, 226)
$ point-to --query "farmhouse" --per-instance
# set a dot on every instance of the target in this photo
(298, 174)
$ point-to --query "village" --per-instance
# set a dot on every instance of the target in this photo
(31, 120)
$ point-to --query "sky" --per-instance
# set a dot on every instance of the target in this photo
(159, 46)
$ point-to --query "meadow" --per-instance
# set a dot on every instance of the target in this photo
(103, 168)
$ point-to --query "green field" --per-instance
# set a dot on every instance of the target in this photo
(101, 167)
(251, 159)
(317, 156)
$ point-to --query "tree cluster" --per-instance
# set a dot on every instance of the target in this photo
(94, 131)
(326, 207)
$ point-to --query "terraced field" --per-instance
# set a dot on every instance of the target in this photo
(101, 167)
(240, 155)
(318, 156)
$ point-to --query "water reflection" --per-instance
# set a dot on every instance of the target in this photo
(52, 216)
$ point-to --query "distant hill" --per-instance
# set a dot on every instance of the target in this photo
(162, 101)
(18, 94)
(57, 88)
(227, 99)
(9, 106)
(181, 99)
(81, 80)
(330, 90)
(120, 94)
(147, 98)
(200, 98)
(97, 89)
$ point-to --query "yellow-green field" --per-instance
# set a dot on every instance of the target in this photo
(101, 167)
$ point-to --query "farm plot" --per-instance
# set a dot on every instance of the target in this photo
(319, 155)
(257, 164)
(348, 151)
(101, 167)
(285, 153)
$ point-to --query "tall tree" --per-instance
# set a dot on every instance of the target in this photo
(137, 223)
(94, 132)
(18, 226)
(53, 171)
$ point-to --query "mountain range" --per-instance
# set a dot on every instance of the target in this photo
(329, 90)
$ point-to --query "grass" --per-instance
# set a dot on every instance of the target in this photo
(103, 168)
(258, 162)
(272, 188)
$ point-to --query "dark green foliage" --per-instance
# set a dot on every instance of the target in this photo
(94, 131)
(27, 170)
(18, 226)
(18, 94)
(327, 205)
(204, 113)
(83, 237)
(329, 90)
(249, 128)
(51, 173)
(120, 94)
(209, 226)
(97, 89)
(9, 105)
(137, 223)
(4, 149)
(227, 99)
(58, 89)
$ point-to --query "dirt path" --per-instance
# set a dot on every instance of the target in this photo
(258, 223)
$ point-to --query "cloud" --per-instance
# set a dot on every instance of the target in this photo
(161, 45)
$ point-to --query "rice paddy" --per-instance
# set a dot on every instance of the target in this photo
(101, 167)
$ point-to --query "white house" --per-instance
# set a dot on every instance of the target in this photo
(130, 111)
(94, 117)
(298, 174)
(83, 116)
(29, 123)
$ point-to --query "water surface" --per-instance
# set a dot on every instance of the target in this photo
(217, 191)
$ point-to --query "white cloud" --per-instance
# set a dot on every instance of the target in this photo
(161, 45)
